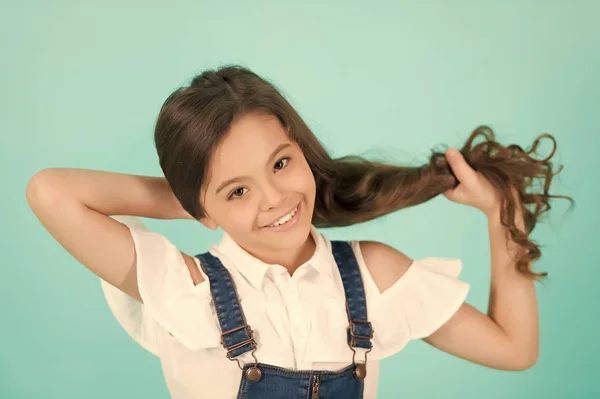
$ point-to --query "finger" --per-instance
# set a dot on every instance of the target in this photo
(449, 194)
(454, 195)
(461, 169)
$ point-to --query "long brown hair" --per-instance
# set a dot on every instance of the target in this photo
(194, 119)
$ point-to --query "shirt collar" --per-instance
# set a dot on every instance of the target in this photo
(254, 270)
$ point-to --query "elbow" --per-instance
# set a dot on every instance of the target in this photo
(42, 187)
(526, 360)
(35, 185)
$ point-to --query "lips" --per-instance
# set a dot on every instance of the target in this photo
(286, 213)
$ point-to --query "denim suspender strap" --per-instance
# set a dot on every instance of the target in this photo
(360, 330)
(236, 335)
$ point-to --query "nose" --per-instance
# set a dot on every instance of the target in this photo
(273, 196)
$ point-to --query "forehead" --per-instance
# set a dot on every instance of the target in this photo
(247, 146)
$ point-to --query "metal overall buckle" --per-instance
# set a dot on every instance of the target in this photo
(360, 369)
(253, 374)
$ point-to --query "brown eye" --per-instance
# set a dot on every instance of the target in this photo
(283, 162)
(237, 193)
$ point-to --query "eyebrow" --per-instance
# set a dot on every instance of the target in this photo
(239, 178)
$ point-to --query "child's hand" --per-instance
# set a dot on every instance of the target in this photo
(473, 189)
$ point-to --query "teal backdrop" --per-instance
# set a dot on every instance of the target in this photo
(82, 83)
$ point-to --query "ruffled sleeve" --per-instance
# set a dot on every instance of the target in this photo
(427, 295)
(171, 301)
(416, 305)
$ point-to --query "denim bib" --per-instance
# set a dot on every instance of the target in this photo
(264, 381)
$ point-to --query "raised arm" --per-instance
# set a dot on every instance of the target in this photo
(507, 337)
(75, 206)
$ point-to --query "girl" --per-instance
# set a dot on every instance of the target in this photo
(276, 309)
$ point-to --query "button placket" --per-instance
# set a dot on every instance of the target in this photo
(298, 319)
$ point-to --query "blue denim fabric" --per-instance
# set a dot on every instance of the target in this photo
(360, 331)
(237, 336)
(277, 382)
(282, 383)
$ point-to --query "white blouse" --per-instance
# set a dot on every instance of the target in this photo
(299, 321)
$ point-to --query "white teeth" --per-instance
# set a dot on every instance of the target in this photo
(285, 218)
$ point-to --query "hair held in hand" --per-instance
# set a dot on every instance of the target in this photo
(350, 190)
(356, 190)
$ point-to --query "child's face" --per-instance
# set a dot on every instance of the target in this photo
(274, 178)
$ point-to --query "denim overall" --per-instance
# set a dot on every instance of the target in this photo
(264, 381)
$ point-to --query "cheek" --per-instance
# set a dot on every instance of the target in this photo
(303, 181)
(242, 216)
(235, 216)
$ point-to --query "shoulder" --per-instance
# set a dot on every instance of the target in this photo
(193, 269)
(385, 264)
(157, 257)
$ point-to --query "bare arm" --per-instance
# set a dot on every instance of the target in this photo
(507, 337)
(75, 206)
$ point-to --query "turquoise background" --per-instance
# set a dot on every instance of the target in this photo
(82, 83)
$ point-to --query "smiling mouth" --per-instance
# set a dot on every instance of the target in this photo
(285, 218)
